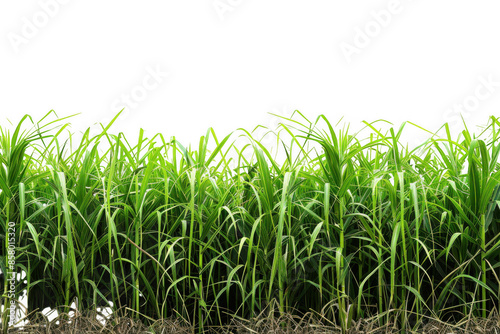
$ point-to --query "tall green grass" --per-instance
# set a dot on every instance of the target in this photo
(345, 224)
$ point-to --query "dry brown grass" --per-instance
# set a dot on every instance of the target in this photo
(89, 323)
(266, 324)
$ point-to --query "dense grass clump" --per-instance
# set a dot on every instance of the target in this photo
(344, 225)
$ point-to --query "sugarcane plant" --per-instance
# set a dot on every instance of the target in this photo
(347, 224)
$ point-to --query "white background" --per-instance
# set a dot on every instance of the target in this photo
(231, 62)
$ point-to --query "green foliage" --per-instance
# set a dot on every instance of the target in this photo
(348, 225)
